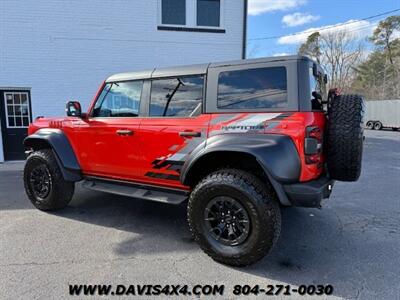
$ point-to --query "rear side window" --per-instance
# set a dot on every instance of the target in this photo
(180, 96)
(253, 88)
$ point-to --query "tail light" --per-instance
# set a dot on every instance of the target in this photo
(313, 145)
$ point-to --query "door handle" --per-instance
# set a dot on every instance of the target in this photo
(190, 133)
(124, 132)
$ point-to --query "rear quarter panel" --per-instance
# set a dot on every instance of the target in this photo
(292, 124)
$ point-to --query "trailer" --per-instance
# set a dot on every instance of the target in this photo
(383, 114)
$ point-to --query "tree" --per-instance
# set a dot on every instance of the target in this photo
(379, 76)
(383, 33)
(337, 52)
(252, 50)
(311, 47)
(370, 79)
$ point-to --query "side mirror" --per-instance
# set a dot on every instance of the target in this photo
(74, 109)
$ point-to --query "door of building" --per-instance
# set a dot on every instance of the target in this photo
(15, 115)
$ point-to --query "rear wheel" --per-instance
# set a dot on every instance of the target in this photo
(234, 217)
(344, 143)
(378, 125)
(44, 183)
(370, 125)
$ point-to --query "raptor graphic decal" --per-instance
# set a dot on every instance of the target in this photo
(218, 124)
(245, 123)
(175, 159)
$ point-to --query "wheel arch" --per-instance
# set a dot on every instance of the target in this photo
(272, 158)
(56, 140)
(216, 159)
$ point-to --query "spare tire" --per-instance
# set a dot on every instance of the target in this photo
(344, 144)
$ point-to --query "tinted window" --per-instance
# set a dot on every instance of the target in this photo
(208, 12)
(119, 99)
(173, 12)
(180, 96)
(254, 88)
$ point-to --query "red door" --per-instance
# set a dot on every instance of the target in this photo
(166, 144)
(107, 141)
(174, 128)
(109, 147)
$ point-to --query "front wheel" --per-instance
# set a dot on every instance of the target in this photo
(44, 183)
(234, 217)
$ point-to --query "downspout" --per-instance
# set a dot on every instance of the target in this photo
(244, 48)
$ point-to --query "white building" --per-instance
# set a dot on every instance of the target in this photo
(54, 51)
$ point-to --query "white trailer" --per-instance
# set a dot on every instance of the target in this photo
(383, 114)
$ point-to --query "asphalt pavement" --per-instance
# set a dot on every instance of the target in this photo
(352, 243)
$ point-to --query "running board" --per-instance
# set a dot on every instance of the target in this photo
(134, 190)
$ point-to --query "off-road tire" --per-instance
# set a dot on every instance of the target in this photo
(344, 143)
(260, 203)
(60, 191)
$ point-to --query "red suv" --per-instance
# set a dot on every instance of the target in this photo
(238, 140)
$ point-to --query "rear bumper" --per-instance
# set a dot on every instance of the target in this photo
(309, 194)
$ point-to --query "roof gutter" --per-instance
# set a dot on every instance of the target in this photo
(245, 7)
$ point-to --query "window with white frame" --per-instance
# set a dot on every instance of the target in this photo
(17, 109)
(192, 13)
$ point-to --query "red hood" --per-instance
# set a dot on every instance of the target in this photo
(42, 122)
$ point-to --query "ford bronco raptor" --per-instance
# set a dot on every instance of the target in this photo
(238, 140)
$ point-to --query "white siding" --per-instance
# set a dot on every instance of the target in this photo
(63, 50)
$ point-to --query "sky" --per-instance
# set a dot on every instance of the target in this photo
(271, 18)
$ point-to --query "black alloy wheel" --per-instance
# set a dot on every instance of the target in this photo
(227, 221)
(40, 181)
(44, 183)
(234, 216)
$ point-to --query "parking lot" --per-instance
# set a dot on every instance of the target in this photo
(352, 243)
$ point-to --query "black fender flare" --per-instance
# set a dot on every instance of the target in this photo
(62, 148)
(275, 153)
